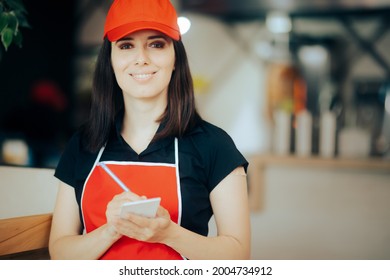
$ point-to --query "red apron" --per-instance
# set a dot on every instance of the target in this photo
(148, 179)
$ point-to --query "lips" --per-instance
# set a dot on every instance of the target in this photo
(142, 76)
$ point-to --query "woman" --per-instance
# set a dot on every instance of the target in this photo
(144, 126)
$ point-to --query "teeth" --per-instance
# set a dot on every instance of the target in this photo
(142, 76)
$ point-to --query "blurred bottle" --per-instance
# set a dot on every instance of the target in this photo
(286, 99)
(303, 134)
(327, 134)
(282, 132)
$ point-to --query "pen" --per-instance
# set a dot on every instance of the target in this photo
(113, 176)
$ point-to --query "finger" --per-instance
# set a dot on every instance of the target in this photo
(129, 228)
(131, 195)
(162, 212)
(141, 234)
(138, 220)
(126, 197)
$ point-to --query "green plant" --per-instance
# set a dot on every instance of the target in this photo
(12, 17)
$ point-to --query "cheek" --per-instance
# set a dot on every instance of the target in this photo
(118, 64)
(118, 61)
(166, 61)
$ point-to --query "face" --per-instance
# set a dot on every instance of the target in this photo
(143, 63)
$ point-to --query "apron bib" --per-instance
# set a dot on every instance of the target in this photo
(143, 178)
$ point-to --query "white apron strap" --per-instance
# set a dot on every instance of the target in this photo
(90, 172)
(99, 155)
(178, 179)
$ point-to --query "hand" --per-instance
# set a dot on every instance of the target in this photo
(114, 208)
(145, 229)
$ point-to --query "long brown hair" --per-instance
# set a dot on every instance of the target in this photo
(107, 100)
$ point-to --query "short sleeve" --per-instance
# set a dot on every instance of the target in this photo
(222, 156)
(65, 170)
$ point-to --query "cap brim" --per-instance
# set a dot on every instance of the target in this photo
(123, 30)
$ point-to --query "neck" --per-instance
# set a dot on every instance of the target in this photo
(140, 122)
(140, 114)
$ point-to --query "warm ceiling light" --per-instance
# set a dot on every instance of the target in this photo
(315, 55)
(184, 24)
(278, 22)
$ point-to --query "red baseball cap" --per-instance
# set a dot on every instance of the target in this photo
(127, 16)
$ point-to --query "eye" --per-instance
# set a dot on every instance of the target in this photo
(125, 46)
(158, 44)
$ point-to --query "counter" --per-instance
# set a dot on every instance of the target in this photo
(258, 164)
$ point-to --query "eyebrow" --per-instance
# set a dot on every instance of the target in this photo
(127, 38)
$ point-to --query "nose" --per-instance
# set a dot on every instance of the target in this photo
(142, 57)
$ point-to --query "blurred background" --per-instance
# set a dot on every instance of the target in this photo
(302, 86)
(253, 62)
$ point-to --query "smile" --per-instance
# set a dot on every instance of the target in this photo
(142, 76)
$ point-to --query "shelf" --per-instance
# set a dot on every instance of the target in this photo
(259, 163)
(315, 161)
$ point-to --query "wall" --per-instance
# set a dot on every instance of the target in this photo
(229, 79)
(26, 191)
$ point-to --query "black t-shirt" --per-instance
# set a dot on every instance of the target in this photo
(207, 154)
